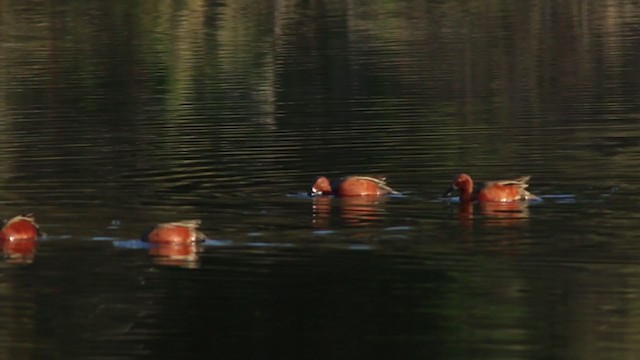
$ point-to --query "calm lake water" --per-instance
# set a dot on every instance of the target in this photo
(116, 115)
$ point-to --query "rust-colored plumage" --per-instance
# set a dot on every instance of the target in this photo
(21, 227)
(491, 191)
(185, 231)
(351, 186)
(18, 238)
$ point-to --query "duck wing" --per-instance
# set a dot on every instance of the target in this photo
(191, 224)
(378, 180)
(521, 182)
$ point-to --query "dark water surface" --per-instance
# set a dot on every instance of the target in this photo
(116, 115)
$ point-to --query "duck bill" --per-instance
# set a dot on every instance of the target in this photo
(449, 191)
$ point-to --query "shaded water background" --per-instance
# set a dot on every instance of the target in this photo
(118, 115)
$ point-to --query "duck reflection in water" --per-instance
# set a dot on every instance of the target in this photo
(359, 199)
(496, 213)
(175, 243)
(501, 202)
(181, 255)
(357, 211)
(18, 237)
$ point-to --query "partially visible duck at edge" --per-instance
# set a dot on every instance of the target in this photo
(20, 228)
(351, 186)
(179, 232)
(491, 191)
